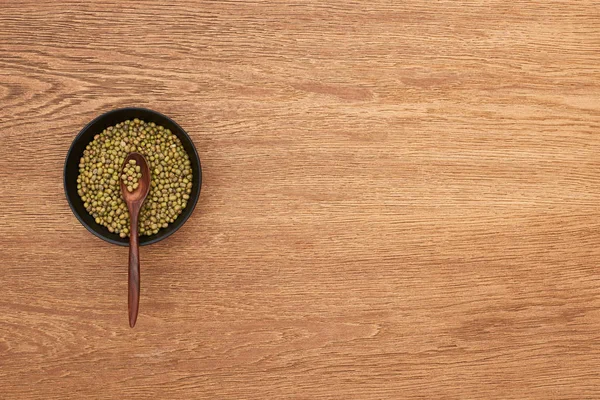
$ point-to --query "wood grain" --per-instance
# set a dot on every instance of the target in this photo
(400, 201)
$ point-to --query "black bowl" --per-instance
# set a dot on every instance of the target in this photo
(76, 152)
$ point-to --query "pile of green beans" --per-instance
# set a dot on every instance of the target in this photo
(131, 175)
(100, 169)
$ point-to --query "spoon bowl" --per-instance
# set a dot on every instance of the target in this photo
(139, 194)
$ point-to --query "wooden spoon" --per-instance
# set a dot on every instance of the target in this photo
(135, 200)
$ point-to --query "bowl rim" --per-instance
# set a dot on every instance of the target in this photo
(191, 205)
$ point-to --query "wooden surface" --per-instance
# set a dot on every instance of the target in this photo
(400, 201)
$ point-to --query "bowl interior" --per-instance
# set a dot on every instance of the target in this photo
(86, 135)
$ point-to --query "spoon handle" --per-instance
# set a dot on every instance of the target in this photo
(133, 300)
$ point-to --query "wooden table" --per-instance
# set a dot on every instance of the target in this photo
(400, 200)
